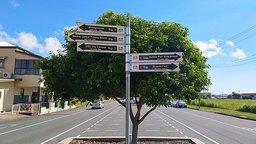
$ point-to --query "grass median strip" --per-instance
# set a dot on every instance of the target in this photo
(226, 111)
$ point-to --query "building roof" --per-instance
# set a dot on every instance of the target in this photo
(4, 44)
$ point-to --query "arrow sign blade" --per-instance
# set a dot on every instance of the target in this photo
(106, 48)
(156, 57)
(155, 67)
(97, 38)
(96, 28)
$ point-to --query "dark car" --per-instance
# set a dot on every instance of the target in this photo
(179, 104)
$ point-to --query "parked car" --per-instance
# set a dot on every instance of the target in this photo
(97, 104)
(179, 104)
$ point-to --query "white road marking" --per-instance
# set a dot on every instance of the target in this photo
(78, 136)
(218, 121)
(172, 131)
(181, 133)
(12, 125)
(111, 130)
(177, 129)
(102, 119)
(153, 130)
(189, 127)
(76, 126)
(31, 125)
(2, 127)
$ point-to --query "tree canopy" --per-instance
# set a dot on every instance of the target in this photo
(88, 75)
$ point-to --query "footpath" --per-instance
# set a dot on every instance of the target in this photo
(7, 116)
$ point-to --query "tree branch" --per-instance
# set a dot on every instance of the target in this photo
(147, 114)
(131, 113)
(118, 100)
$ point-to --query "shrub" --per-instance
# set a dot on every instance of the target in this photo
(248, 108)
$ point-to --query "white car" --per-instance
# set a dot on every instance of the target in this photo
(97, 104)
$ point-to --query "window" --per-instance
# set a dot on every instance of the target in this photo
(1, 63)
(22, 93)
(26, 67)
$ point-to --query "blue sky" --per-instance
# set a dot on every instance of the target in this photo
(225, 31)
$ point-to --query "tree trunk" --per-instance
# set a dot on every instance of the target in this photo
(135, 127)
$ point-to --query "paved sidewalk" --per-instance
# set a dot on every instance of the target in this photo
(9, 116)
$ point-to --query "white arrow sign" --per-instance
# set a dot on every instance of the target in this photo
(154, 67)
(156, 57)
(97, 28)
(104, 48)
(96, 38)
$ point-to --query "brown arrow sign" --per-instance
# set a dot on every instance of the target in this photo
(99, 38)
(154, 67)
(104, 48)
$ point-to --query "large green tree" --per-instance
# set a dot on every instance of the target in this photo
(91, 74)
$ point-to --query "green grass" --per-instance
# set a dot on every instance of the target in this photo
(79, 104)
(227, 106)
(226, 111)
(230, 104)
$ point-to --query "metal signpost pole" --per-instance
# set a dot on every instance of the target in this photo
(127, 71)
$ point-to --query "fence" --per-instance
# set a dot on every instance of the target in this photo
(26, 108)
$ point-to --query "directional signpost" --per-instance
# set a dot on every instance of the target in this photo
(155, 62)
(116, 39)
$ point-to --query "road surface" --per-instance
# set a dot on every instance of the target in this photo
(51, 128)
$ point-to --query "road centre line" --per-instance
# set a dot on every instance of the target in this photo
(217, 121)
(167, 122)
(189, 128)
(2, 127)
(97, 122)
(77, 126)
(38, 123)
(111, 130)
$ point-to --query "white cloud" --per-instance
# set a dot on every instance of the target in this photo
(30, 42)
(52, 44)
(238, 53)
(69, 27)
(5, 37)
(209, 48)
(14, 3)
(230, 44)
(61, 32)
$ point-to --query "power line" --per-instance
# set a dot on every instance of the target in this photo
(252, 57)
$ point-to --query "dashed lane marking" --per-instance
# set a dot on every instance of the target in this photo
(189, 128)
(77, 125)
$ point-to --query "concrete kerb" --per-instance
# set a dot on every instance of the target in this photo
(121, 138)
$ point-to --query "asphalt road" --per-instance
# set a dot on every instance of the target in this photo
(210, 128)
